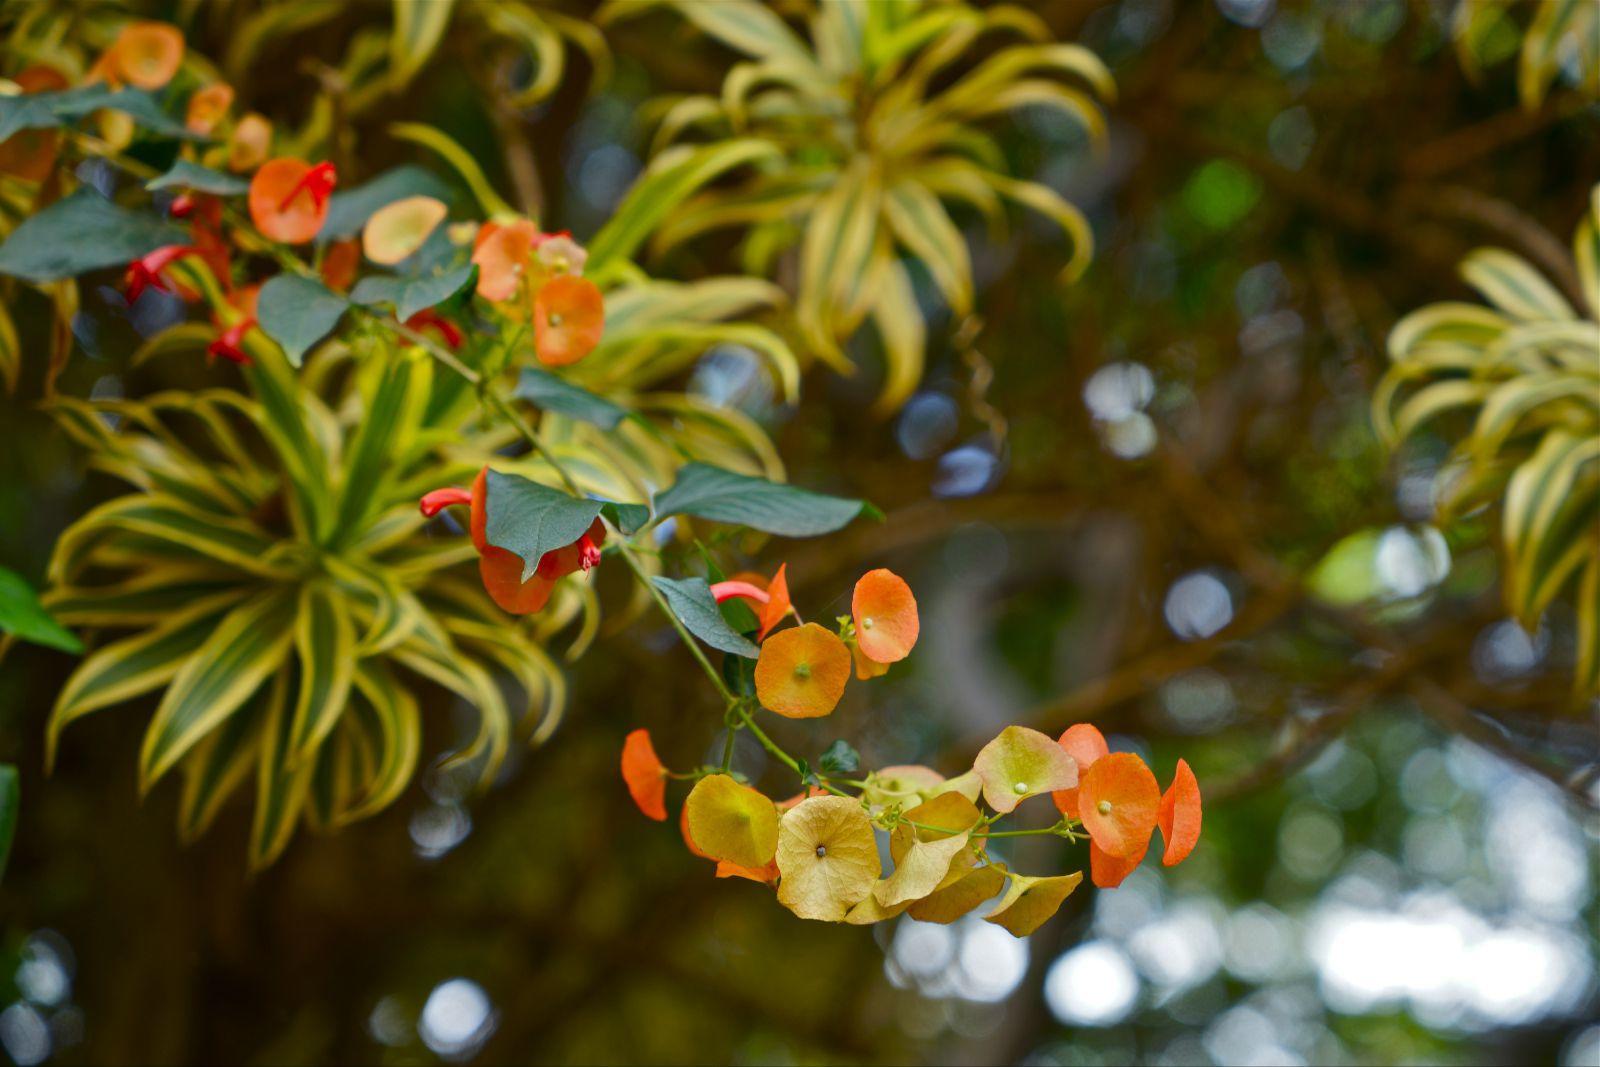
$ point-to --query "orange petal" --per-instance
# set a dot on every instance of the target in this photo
(885, 615)
(147, 54)
(1180, 816)
(1085, 743)
(503, 252)
(1108, 871)
(802, 672)
(645, 776)
(502, 577)
(688, 839)
(207, 108)
(31, 154)
(280, 207)
(767, 875)
(568, 318)
(340, 263)
(479, 525)
(777, 605)
(250, 143)
(866, 667)
(811, 791)
(1118, 801)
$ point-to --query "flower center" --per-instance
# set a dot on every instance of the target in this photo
(1104, 807)
(555, 320)
(1020, 787)
(802, 671)
(822, 850)
(866, 623)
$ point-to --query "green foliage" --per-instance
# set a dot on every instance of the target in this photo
(691, 601)
(22, 617)
(1558, 32)
(1528, 366)
(724, 496)
(858, 142)
(81, 233)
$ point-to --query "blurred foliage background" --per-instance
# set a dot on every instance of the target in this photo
(1107, 497)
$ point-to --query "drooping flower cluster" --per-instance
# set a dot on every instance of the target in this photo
(819, 849)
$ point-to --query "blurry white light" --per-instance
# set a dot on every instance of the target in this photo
(1198, 701)
(1130, 437)
(1198, 605)
(1505, 651)
(1180, 949)
(1118, 390)
(1246, 12)
(457, 1019)
(991, 962)
(965, 471)
(927, 423)
(438, 828)
(388, 1024)
(1310, 841)
(44, 974)
(24, 1035)
(1260, 942)
(1583, 1050)
(1092, 985)
(1409, 563)
(922, 949)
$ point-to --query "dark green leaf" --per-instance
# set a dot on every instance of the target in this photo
(10, 799)
(21, 615)
(840, 759)
(740, 674)
(37, 111)
(411, 295)
(625, 517)
(349, 210)
(530, 519)
(81, 233)
(553, 393)
(186, 175)
(713, 493)
(691, 601)
(297, 312)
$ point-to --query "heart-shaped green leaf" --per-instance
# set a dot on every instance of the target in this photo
(714, 493)
(691, 601)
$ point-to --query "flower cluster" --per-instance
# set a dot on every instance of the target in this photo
(820, 848)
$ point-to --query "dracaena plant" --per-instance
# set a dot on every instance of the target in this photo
(858, 143)
(273, 580)
(282, 577)
(1546, 36)
(1521, 378)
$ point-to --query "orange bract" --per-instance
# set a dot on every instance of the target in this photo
(1180, 816)
(340, 264)
(1118, 801)
(568, 318)
(885, 615)
(867, 668)
(802, 672)
(502, 577)
(479, 525)
(146, 54)
(688, 838)
(645, 776)
(1108, 871)
(289, 199)
(767, 875)
(207, 107)
(1085, 743)
(250, 143)
(777, 605)
(31, 154)
(502, 252)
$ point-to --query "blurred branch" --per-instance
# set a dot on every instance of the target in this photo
(1460, 147)
(1459, 203)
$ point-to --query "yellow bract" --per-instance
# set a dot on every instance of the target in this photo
(952, 901)
(1021, 763)
(828, 857)
(397, 230)
(1030, 902)
(869, 911)
(732, 822)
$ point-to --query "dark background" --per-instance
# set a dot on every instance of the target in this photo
(1395, 865)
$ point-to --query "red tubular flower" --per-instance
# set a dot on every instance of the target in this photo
(728, 590)
(289, 199)
(428, 319)
(227, 345)
(145, 272)
(500, 569)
